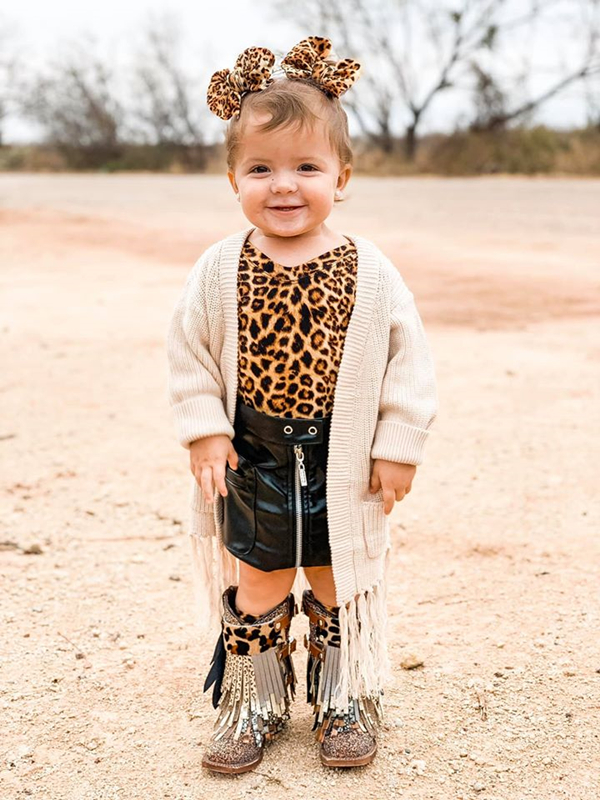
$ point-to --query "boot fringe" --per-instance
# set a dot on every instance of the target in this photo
(257, 690)
(252, 671)
(364, 713)
(333, 712)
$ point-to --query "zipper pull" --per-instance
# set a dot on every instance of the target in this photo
(300, 462)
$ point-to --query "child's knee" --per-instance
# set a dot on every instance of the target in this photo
(254, 579)
(322, 583)
(319, 573)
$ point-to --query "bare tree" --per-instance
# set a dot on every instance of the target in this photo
(414, 50)
(165, 110)
(76, 102)
(493, 106)
(456, 36)
(592, 99)
(10, 66)
(489, 99)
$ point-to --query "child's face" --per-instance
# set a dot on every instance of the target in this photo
(287, 178)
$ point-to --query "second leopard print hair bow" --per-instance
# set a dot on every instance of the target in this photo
(253, 72)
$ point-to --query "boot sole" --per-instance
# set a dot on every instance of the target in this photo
(229, 769)
(347, 762)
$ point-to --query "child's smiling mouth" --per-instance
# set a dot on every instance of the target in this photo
(284, 209)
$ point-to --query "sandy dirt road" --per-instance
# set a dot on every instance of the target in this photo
(496, 551)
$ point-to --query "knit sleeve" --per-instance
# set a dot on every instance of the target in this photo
(196, 386)
(408, 399)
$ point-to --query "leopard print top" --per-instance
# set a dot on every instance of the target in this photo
(292, 327)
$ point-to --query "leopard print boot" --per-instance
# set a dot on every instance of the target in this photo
(254, 684)
(347, 739)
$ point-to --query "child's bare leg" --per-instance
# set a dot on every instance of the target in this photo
(260, 591)
(321, 582)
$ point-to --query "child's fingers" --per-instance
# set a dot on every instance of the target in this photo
(389, 498)
(206, 484)
(232, 457)
(374, 484)
(219, 478)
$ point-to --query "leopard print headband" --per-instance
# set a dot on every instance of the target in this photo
(253, 72)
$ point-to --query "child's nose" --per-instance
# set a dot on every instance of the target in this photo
(283, 182)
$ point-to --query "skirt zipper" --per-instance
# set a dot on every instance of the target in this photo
(300, 481)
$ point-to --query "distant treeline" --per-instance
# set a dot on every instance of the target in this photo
(530, 151)
(480, 57)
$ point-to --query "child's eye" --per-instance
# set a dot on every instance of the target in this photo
(259, 166)
(310, 166)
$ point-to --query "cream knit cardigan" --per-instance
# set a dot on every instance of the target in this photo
(384, 404)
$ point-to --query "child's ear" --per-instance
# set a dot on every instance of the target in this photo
(231, 177)
(344, 176)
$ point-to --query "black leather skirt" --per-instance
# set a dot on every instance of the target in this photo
(275, 510)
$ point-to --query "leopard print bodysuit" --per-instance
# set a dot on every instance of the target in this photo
(292, 327)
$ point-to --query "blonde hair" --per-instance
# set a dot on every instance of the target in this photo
(290, 102)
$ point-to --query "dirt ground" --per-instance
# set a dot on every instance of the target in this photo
(496, 552)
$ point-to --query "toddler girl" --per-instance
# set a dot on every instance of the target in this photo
(303, 386)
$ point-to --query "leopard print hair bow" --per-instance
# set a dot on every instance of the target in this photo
(308, 60)
(251, 73)
(253, 68)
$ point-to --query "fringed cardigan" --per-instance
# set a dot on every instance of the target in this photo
(384, 404)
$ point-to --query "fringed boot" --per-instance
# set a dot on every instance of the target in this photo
(254, 684)
(348, 737)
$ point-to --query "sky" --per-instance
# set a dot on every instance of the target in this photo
(214, 33)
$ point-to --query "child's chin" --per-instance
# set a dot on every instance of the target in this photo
(286, 227)
(282, 233)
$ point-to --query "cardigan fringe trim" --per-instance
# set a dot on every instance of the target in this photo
(364, 667)
(364, 662)
(213, 570)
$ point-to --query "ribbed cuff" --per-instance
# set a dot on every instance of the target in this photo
(199, 417)
(396, 441)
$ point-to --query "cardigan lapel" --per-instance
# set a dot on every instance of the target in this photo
(230, 259)
(343, 509)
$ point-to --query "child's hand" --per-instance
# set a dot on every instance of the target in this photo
(395, 480)
(208, 457)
